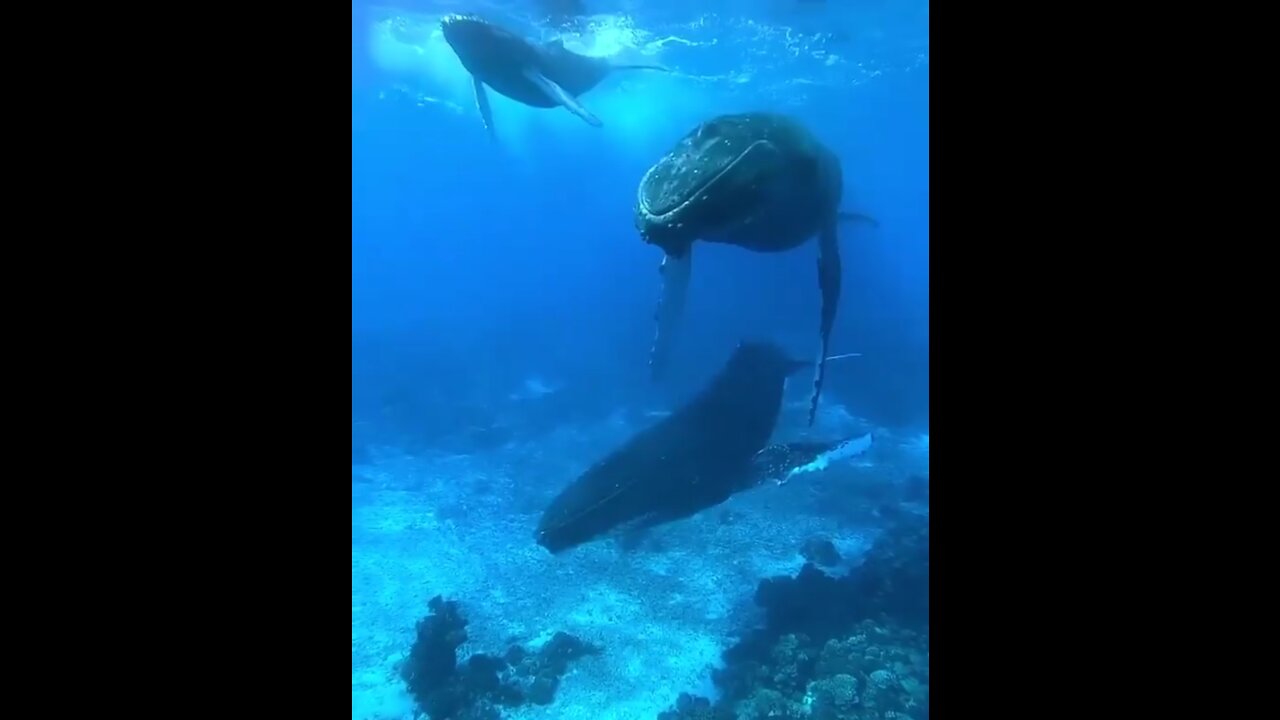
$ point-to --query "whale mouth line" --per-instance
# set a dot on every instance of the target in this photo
(699, 190)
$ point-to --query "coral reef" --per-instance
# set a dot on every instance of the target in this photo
(849, 648)
(769, 703)
(692, 707)
(894, 577)
(536, 676)
(812, 603)
(443, 689)
(431, 670)
(875, 671)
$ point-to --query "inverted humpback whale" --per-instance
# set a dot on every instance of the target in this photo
(692, 460)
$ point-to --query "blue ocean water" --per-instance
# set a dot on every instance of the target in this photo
(502, 311)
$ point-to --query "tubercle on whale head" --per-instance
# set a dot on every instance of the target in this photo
(674, 238)
(461, 28)
(460, 19)
(453, 20)
(670, 238)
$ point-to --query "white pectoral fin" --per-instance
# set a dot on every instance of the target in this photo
(846, 449)
(557, 93)
(676, 272)
(482, 103)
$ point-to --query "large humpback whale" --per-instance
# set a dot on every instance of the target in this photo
(542, 75)
(692, 460)
(758, 180)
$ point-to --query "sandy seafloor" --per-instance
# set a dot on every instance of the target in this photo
(462, 526)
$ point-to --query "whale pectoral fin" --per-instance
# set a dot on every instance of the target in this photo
(675, 288)
(557, 93)
(829, 278)
(482, 103)
(658, 68)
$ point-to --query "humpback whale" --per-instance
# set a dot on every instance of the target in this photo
(691, 460)
(757, 180)
(542, 75)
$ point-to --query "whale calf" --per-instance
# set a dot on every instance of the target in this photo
(542, 75)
